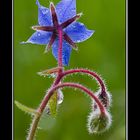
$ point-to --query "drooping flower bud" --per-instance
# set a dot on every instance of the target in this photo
(98, 122)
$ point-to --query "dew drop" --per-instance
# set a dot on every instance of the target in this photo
(78, 41)
(60, 14)
(53, 75)
(60, 97)
(45, 11)
(73, 26)
(23, 42)
(38, 34)
(73, 10)
(47, 110)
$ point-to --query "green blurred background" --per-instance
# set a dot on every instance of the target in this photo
(104, 53)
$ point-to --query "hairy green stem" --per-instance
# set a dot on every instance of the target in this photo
(41, 108)
(44, 102)
(34, 125)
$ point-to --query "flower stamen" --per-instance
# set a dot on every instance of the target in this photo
(68, 39)
(44, 28)
(71, 20)
(53, 37)
(54, 15)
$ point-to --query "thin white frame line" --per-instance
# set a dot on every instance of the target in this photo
(126, 52)
(12, 69)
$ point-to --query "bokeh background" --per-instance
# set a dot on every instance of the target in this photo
(104, 53)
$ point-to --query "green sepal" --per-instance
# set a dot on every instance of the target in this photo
(25, 108)
(53, 104)
(50, 72)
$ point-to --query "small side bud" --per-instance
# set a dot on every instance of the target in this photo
(105, 98)
(98, 122)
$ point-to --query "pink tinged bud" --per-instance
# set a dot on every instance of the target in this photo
(105, 98)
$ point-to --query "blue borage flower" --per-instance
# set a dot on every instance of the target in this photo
(63, 16)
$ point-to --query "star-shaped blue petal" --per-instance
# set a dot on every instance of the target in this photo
(63, 16)
(66, 9)
(78, 32)
(44, 15)
(40, 38)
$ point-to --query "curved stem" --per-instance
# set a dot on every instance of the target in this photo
(41, 108)
(91, 73)
(48, 96)
(33, 127)
(81, 87)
